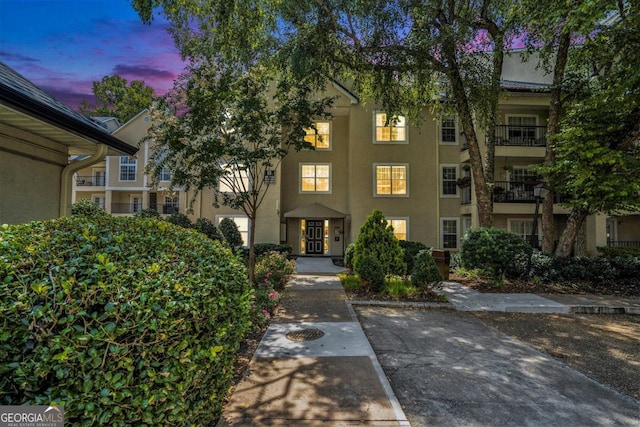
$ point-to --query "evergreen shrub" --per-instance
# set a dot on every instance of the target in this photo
(371, 272)
(425, 272)
(208, 228)
(124, 321)
(180, 220)
(231, 233)
(86, 207)
(497, 252)
(411, 250)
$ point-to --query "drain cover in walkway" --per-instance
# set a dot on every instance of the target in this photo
(308, 334)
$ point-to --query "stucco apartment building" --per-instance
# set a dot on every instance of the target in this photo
(414, 172)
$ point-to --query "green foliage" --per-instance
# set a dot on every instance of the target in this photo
(377, 251)
(425, 273)
(348, 256)
(264, 248)
(208, 228)
(350, 282)
(497, 252)
(179, 219)
(86, 207)
(274, 268)
(231, 232)
(114, 98)
(612, 252)
(147, 213)
(371, 272)
(125, 321)
(411, 249)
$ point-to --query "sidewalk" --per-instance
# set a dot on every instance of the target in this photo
(315, 366)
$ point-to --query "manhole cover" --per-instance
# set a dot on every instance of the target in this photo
(308, 334)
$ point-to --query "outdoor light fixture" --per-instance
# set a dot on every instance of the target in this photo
(540, 191)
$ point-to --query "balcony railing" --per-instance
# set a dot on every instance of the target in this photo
(518, 136)
(164, 209)
(521, 136)
(88, 181)
(126, 208)
(517, 192)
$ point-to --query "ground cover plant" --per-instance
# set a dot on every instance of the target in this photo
(125, 321)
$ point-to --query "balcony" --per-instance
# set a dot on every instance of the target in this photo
(517, 192)
(125, 208)
(623, 244)
(89, 181)
(518, 136)
(165, 209)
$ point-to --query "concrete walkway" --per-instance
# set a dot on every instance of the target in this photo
(316, 367)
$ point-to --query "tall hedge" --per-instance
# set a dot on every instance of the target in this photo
(125, 321)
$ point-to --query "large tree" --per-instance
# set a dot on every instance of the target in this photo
(402, 54)
(597, 151)
(115, 97)
(227, 128)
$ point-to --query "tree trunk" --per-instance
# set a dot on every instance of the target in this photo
(555, 109)
(576, 220)
(252, 249)
(581, 241)
(483, 199)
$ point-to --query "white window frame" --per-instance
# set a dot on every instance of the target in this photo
(330, 136)
(457, 169)
(239, 175)
(128, 164)
(375, 179)
(442, 234)
(456, 130)
(400, 218)
(243, 233)
(164, 175)
(102, 200)
(390, 142)
(526, 238)
(300, 166)
(507, 117)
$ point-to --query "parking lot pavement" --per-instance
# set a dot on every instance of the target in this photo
(448, 368)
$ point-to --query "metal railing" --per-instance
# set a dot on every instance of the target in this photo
(518, 136)
(518, 192)
(88, 181)
(623, 243)
(164, 209)
(126, 208)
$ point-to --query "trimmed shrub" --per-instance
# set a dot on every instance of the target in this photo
(371, 272)
(376, 240)
(411, 250)
(180, 220)
(425, 272)
(275, 269)
(125, 321)
(207, 227)
(231, 233)
(497, 252)
(612, 252)
(86, 207)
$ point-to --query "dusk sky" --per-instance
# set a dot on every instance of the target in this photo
(62, 46)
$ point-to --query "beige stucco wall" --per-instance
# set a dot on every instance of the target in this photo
(30, 175)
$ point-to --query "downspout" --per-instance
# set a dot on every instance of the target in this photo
(67, 176)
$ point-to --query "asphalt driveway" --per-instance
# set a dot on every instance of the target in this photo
(448, 368)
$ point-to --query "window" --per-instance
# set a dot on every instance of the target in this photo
(522, 174)
(170, 205)
(448, 178)
(393, 132)
(448, 130)
(165, 175)
(234, 180)
(449, 232)
(399, 227)
(315, 178)
(320, 137)
(242, 221)
(127, 168)
(521, 227)
(522, 128)
(391, 180)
